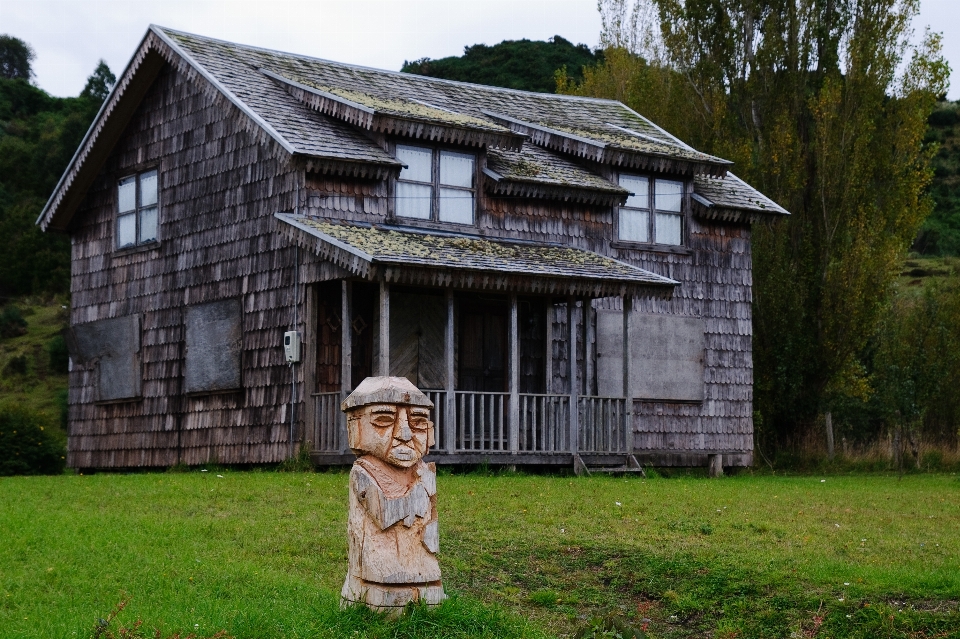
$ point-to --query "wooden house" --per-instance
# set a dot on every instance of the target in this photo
(493, 246)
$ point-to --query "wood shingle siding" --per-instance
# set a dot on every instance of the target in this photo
(219, 186)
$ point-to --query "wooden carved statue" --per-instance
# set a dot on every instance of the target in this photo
(392, 525)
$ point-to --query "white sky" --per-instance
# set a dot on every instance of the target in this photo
(70, 36)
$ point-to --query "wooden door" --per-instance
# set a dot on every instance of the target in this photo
(483, 346)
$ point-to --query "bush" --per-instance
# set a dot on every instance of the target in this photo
(59, 357)
(16, 365)
(29, 443)
(12, 323)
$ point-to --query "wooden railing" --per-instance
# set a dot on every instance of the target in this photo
(602, 425)
(544, 423)
(482, 423)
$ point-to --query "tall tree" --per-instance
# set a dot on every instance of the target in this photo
(15, 58)
(805, 96)
(99, 83)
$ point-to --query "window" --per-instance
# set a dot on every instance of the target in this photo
(654, 213)
(435, 185)
(137, 209)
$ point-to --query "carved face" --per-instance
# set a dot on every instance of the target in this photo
(396, 433)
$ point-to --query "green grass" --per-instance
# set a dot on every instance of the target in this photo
(263, 555)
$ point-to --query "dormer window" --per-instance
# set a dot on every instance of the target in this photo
(137, 209)
(436, 185)
(654, 213)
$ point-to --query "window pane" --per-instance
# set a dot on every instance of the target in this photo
(456, 206)
(419, 163)
(148, 224)
(127, 230)
(127, 194)
(669, 195)
(456, 169)
(668, 229)
(639, 187)
(413, 200)
(634, 225)
(148, 188)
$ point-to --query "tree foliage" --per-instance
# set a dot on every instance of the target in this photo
(808, 98)
(38, 136)
(16, 57)
(515, 64)
(99, 83)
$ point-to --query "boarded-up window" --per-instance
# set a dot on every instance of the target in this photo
(113, 345)
(213, 340)
(666, 353)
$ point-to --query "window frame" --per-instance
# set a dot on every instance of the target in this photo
(138, 209)
(436, 186)
(652, 211)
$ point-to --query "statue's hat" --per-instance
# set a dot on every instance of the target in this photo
(386, 390)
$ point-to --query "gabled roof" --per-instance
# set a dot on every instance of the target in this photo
(325, 113)
(408, 255)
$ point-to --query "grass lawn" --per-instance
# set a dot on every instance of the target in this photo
(262, 555)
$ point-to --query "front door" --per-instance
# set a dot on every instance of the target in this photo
(483, 345)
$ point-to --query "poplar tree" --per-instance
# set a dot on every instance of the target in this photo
(822, 105)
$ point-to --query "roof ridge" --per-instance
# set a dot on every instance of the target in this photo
(561, 96)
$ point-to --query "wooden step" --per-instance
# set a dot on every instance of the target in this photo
(630, 465)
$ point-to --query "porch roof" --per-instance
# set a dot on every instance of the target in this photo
(426, 257)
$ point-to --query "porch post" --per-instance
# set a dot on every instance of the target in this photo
(346, 353)
(450, 416)
(548, 350)
(572, 375)
(383, 361)
(514, 377)
(585, 336)
(627, 399)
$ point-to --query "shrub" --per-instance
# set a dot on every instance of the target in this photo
(16, 365)
(29, 444)
(12, 323)
(59, 357)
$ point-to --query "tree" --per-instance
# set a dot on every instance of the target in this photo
(806, 98)
(38, 136)
(15, 58)
(100, 83)
(515, 64)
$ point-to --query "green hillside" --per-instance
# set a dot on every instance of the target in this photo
(529, 65)
(941, 232)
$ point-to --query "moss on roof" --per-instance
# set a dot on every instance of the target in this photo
(404, 247)
(534, 165)
(636, 143)
(405, 108)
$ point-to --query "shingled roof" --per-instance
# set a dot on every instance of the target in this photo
(733, 199)
(318, 110)
(408, 255)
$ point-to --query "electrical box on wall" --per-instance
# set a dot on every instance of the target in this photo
(291, 346)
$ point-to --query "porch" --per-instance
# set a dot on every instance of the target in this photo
(472, 322)
(487, 364)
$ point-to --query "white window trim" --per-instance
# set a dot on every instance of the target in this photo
(137, 211)
(436, 186)
(652, 212)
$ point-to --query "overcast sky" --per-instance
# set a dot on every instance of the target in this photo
(70, 36)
